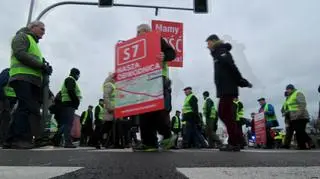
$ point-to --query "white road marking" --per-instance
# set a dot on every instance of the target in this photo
(111, 150)
(34, 172)
(51, 148)
(252, 172)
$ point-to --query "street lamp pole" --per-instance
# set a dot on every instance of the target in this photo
(42, 13)
(30, 11)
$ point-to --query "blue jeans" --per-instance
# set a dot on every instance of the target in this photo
(193, 134)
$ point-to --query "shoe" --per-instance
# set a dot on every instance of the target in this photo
(18, 145)
(6, 145)
(69, 146)
(167, 144)
(145, 148)
(230, 148)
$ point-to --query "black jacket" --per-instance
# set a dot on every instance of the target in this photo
(169, 55)
(226, 74)
(71, 87)
(89, 118)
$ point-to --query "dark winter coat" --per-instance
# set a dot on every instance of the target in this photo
(226, 74)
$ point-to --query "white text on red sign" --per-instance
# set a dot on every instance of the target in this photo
(131, 52)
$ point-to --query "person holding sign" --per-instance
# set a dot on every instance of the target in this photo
(227, 79)
(152, 122)
(271, 120)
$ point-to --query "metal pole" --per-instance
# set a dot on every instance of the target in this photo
(30, 11)
(42, 13)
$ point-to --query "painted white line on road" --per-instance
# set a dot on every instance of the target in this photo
(194, 150)
(51, 148)
(111, 150)
(28, 172)
(252, 172)
(280, 151)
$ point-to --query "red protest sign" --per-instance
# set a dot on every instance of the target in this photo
(172, 32)
(139, 76)
(260, 128)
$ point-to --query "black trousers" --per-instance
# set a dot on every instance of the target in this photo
(153, 122)
(28, 110)
(302, 137)
(86, 132)
(6, 106)
(123, 137)
(101, 128)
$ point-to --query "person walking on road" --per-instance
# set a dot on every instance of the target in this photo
(86, 120)
(210, 114)
(299, 117)
(227, 79)
(271, 120)
(26, 74)
(7, 101)
(190, 113)
(70, 97)
(152, 122)
(176, 127)
(109, 95)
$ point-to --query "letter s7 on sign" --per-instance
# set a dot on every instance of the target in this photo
(172, 32)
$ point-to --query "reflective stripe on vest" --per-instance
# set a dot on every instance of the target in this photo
(291, 102)
(186, 106)
(213, 109)
(101, 113)
(17, 67)
(85, 117)
(269, 118)
(64, 91)
(183, 123)
(240, 113)
(9, 91)
(165, 69)
(176, 122)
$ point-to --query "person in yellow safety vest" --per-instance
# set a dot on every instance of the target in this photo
(211, 117)
(99, 122)
(279, 138)
(271, 120)
(70, 99)
(239, 113)
(299, 116)
(7, 102)
(86, 120)
(158, 121)
(176, 126)
(289, 129)
(109, 96)
(190, 113)
(26, 68)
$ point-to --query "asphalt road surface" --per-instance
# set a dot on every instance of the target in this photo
(88, 163)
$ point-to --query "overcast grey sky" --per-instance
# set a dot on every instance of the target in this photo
(275, 43)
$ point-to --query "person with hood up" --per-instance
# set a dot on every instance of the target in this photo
(227, 79)
(26, 74)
